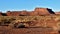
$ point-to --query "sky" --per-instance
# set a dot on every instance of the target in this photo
(6, 5)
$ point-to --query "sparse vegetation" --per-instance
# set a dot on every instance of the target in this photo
(45, 23)
(42, 20)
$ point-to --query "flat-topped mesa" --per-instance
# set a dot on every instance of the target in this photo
(44, 11)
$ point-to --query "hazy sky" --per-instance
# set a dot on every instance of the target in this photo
(28, 4)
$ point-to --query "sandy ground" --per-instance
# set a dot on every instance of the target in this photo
(8, 30)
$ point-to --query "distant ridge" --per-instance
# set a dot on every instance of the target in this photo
(37, 12)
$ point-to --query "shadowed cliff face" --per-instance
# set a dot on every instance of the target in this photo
(36, 12)
(50, 11)
(4, 14)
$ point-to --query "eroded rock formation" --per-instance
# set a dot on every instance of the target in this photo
(36, 12)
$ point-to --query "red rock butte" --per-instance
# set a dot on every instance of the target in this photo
(35, 12)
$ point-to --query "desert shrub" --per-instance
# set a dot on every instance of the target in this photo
(21, 25)
(6, 21)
